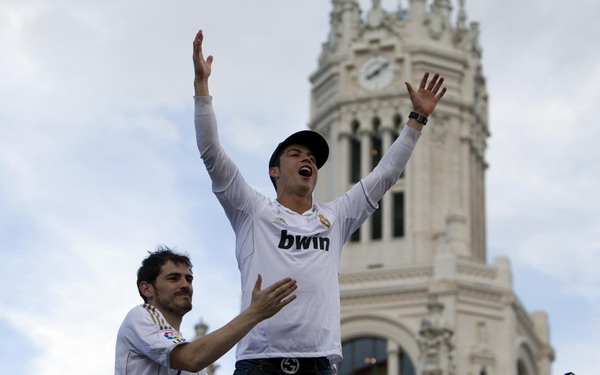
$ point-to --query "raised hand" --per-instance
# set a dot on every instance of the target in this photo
(202, 66)
(427, 97)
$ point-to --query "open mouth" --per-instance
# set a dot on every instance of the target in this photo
(305, 171)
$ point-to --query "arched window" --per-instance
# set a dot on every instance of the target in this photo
(369, 356)
(376, 142)
(376, 154)
(521, 368)
(398, 206)
(376, 222)
(355, 165)
(398, 123)
(355, 237)
(355, 153)
(526, 361)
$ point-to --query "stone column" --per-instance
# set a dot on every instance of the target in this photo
(392, 353)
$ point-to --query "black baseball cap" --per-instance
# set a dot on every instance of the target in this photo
(309, 138)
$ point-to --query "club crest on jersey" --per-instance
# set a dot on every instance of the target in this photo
(324, 221)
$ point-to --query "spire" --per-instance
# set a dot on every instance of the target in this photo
(417, 9)
(442, 7)
(401, 12)
(335, 26)
(201, 328)
(461, 33)
(376, 15)
(439, 18)
(462, 16)
(350, 18)
(344, 22)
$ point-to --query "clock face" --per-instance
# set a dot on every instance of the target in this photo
(376, 73)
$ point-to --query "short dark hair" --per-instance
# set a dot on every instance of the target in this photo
(150, 268)
(276, 163)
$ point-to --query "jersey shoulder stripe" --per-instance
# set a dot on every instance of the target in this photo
(157, 317)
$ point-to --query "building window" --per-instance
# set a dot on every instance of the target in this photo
(376, 224)
(376, 153)
(376, 142)
(355, 153)
(406, 365)
(398, 124)
(368, 356)
(355, 236)
(398, 214)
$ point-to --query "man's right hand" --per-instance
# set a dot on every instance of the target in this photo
(203, 351)
(202, 67)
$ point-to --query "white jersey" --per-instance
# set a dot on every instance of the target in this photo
(277, 242)
(144, 343)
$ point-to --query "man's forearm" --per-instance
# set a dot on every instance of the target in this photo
(201, 87)
(204, 351)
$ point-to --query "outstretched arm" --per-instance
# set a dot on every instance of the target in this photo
(392, 164)
(203, 351)
(426, 98)
(202, 67)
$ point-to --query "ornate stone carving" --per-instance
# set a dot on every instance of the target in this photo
(435, 342)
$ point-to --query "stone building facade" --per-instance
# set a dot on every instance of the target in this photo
(417, 293)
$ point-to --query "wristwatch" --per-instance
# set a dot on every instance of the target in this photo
(419, 117)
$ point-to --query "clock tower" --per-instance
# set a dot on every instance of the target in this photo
(417, 293)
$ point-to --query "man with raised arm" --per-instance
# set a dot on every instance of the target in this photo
(293, 235)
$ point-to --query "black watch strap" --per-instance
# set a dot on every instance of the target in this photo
(419, 117)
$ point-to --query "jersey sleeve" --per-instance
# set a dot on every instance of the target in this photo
(238, 199)
(391, 165)
(220, 167)
(358, 203)
(149, 337)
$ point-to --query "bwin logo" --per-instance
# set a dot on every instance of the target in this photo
(287, 241)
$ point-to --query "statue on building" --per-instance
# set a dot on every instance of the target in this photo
(435, 342)
(376, 15)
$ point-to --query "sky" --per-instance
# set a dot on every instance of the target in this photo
(98, 162)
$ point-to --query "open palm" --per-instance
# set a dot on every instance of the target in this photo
(426, 98)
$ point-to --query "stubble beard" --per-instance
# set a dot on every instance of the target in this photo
(180, 309)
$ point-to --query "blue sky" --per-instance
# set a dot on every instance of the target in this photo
(98, 163)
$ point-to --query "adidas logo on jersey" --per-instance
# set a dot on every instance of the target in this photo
(287, 241)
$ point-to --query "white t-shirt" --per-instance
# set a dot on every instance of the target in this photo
(277, 242)
(144, 343)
